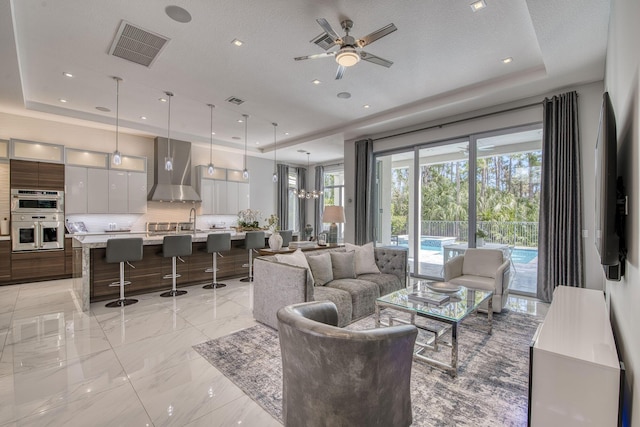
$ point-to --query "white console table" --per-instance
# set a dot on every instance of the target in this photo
(574, 369)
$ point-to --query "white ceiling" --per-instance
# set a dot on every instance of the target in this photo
(447, 60)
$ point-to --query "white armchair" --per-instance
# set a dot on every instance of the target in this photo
(485, 269)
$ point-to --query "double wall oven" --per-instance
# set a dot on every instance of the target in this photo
(37, 220)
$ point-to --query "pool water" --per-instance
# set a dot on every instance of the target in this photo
(524, 256)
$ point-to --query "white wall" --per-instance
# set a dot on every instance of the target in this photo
(589, 98)
(622, 81)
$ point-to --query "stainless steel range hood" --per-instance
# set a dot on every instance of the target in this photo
(175, 185)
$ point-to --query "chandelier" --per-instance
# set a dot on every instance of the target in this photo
(304, 194)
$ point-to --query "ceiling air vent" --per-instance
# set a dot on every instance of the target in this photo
(137, 45)
(234, 100)
(324, 40)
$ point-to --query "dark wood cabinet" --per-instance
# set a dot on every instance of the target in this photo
(5, 260)
(33, 266)
(37, 175)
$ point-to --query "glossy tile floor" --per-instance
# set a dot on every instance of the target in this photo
(131, 366)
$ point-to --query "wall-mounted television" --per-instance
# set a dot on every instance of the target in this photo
(608, 218)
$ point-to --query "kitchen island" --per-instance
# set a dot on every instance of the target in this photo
(93, 275)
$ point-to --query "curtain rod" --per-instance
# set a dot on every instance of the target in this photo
(453, 122)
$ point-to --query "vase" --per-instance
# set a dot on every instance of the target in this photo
(275, 241)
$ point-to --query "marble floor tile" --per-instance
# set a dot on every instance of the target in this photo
(242, 411)
(8, 297)
(225, 326)
(5, 320)
(209, 309)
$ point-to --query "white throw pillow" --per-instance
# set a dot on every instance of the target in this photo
(365, 258)
(296, 259)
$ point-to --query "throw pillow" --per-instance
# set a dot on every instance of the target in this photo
(321, 268)
(365, 258)
(343, 265)
(296, 259)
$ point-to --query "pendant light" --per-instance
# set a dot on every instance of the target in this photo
(274, 178)
(117, 156)
(245, 171)
(210, 167)
(168, 161)
(302, 193)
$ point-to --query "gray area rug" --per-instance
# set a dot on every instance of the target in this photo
(491, 388)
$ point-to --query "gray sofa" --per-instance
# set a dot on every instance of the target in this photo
(277, 285)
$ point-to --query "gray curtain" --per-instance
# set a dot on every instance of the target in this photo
(302, 205)
(364, 192)
(282, 204)
(319, 202)
(560, 236)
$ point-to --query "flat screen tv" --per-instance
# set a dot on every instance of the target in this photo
(607, 218)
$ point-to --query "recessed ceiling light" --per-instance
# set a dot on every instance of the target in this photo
(162, 99)
(257, 142)
(477, 5)
(286, 133)
(316, 82)
(237, 42)
(240, 121)
(104, 109)
(178, 14)
(63, 100)
(344, 95)
(143, 118)
(507, 60)
(213, 133)
(66, 74)
(366, 106)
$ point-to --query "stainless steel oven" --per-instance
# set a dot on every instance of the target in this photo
(40, 201)
(37, 232)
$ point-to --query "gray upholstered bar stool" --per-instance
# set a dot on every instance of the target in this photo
(173, 247)
(216, 242)
(287, 235)
(252, 240)
(123, 250)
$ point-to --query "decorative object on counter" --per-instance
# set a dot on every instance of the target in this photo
(322, 239)
(252, 240)
(249, 220)
(210, 167)
(75, 227)
(116, 157)
(175, 247)
(216, 242)
(308, 232)
(4, 226)
(274, 178)
(245, 171)
(168, 161)
(121, 251)
(302, 193)
(275, 240)
(333, 215)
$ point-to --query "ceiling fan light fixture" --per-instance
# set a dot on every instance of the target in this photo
(347, 57)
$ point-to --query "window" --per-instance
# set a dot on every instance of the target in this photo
(292, 223)
(334, 194)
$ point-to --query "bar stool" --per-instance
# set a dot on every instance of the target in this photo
(252, 240)
(287, 235)
(174, 247)
(216, 242)
(121, 251)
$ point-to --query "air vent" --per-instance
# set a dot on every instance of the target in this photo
(234, 100)
(137, 45)
(324, 40)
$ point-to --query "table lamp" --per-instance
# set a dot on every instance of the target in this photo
(333, 215)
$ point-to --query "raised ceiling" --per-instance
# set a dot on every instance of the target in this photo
(447, 60)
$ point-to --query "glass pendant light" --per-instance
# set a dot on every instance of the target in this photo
(274, 178)
(116, 157)
(168, 161)
(245, 171)
(210, 167)
(302, 193)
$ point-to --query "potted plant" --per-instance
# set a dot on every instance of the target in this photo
(275, 240)
(480, 236)
(248, 220)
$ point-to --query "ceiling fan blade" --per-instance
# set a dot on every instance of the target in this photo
(365, 56)
(378, 34)
(327, 28)
(340, 72)
(316, 56)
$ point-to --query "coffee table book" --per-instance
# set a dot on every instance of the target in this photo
(429, 297)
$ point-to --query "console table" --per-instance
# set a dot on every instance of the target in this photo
(574, 372)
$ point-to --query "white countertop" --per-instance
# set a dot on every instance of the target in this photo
(91, 240)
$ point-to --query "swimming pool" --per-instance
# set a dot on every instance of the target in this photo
(428, 243)
(524, 256)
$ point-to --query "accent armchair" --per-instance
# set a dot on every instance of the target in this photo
(338, 377)
(485, 269)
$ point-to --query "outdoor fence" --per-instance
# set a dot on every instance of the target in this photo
(510, 233)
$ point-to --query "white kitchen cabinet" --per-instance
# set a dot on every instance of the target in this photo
(232, 197)
(75, 196)
(206, 191)
(574, 367)
(243, 196)
(137, 192)
(118, 189)
(220, 197)
(97, 190)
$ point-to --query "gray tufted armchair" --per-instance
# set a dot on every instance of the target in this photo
(339, 377)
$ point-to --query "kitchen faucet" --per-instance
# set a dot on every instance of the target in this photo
(193, 210)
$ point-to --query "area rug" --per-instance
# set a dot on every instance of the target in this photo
(491, 388)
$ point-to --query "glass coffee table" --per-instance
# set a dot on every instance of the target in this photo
(423, 302)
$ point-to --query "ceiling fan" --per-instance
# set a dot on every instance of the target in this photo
(350, 52)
